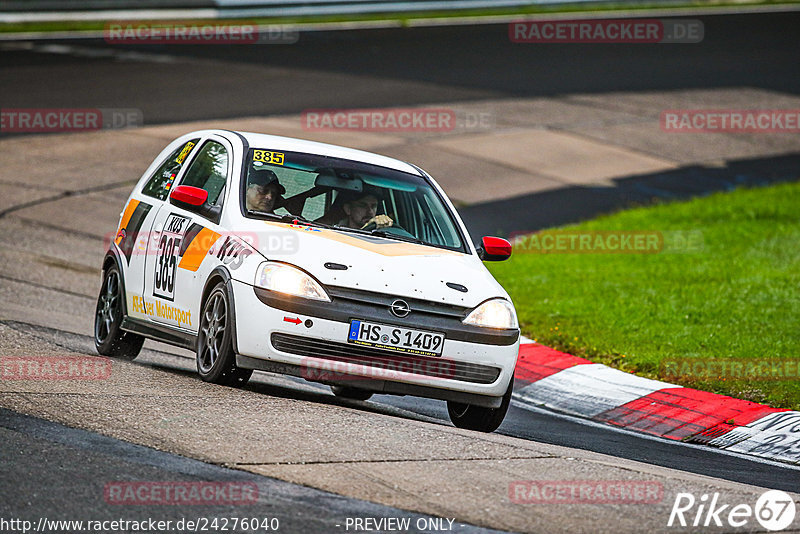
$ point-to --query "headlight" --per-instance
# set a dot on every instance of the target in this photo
(290, 280)
(495, 313)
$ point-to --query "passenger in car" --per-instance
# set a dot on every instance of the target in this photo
(264, 191)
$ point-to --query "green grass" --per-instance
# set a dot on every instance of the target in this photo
(738, 297)
(407, 17)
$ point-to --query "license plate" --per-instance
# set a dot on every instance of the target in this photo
(395, 338)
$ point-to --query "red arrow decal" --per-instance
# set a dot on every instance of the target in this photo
(296, 320)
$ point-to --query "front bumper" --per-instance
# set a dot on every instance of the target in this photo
(309, 339)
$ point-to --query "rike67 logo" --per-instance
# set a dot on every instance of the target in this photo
(774, 510)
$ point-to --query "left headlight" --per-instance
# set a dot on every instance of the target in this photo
(290, 280)
(495, 313)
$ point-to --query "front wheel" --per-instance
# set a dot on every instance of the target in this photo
(109, 339)
(480, 418)
(216, 360)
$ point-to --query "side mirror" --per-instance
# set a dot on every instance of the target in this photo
(195, 200)
(188, 197)
(494, 249)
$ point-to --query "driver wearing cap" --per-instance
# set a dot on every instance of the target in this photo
(263, 191)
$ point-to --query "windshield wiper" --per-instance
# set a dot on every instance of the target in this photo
(348, 229)
(295, 219)
(382, 233)
(288, 218)
(264, 214)
(399, 237)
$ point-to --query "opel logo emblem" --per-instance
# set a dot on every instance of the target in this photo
(399, 308)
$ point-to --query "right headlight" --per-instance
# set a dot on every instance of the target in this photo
(284, 278)
(494, 313)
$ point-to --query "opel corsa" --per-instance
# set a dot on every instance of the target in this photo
(339, 266)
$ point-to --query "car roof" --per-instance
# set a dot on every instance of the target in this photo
(290, 144)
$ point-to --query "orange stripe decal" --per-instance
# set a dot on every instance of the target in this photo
(126, 217)
(197, 250)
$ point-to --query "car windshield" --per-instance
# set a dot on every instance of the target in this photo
(348, 196)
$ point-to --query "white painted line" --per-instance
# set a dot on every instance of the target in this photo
(211, 13)
(588, 390)
(117, 14)
(591, 12)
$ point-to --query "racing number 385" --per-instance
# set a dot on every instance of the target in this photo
(165, 266)
(167, 258)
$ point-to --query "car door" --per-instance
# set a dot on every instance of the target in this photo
(179, 262)
(136, 222)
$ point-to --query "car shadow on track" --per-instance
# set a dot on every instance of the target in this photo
(298, 389)
(182, 365)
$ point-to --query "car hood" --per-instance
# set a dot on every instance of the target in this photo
(378, 264)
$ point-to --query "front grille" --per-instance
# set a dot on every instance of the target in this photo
(385, 360)
(419, 307)
(347, 304)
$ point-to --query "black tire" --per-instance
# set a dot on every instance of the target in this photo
(216, 360)
(479, 418)
(109, 340)
(351, 393)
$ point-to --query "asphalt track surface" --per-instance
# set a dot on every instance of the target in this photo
(397, 67)
(59, 471)
(372, 68)
(413, 66)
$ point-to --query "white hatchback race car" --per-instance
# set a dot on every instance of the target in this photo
(332, 264)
